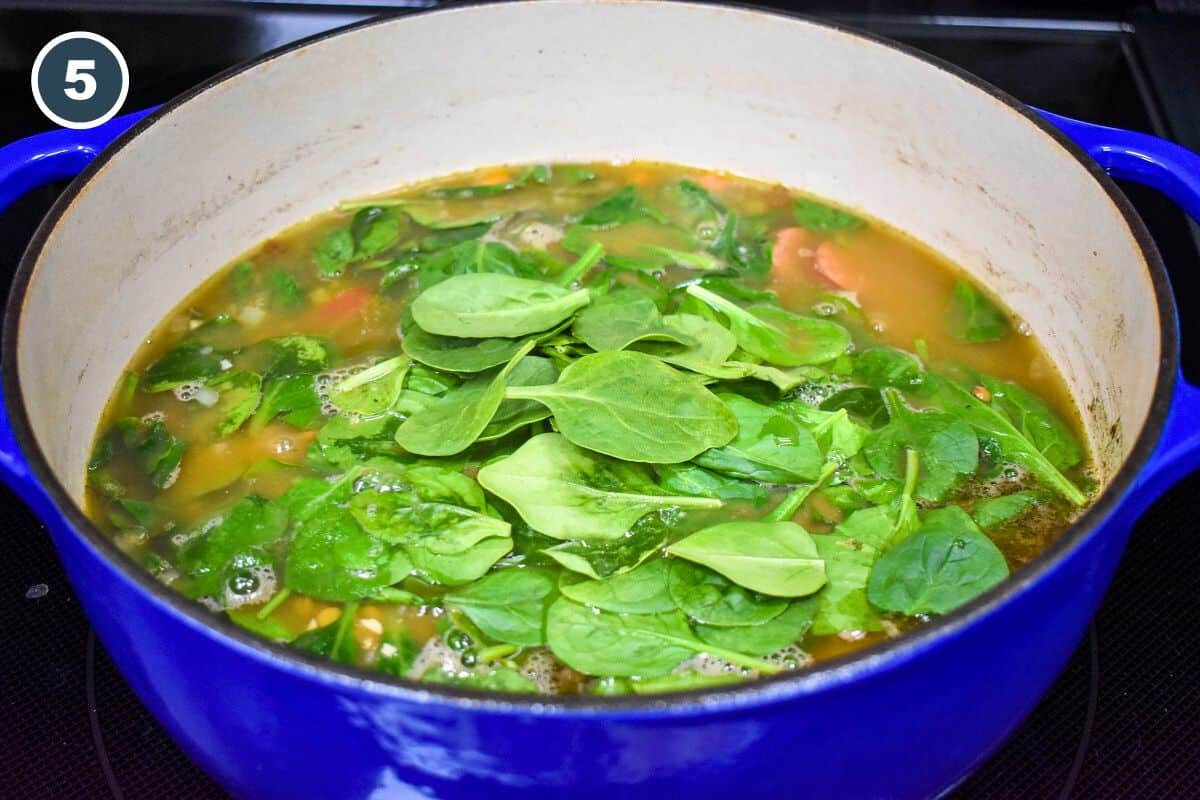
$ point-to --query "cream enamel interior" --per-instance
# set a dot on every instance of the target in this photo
(356, 114)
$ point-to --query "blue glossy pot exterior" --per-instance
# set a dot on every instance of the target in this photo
(907, 727)
(906, 731)
(907, 720)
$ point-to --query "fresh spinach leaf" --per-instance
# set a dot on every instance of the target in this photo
(632, 406)
(625, 645)
(404, 518)
(565, 492)
(642, 590)
(764, 638)
(458, 418)
(307, 496)
(692, 480)
(697, 341)
(512, 415)
(769, 446)
(484, 305)
(882, 366)
(454, 353)
(709, 598)
(777, 336)
(508, 605)
(849, 553)
(453, 569)
(775, 558)
(603, 558)
(371, 391)
(624, 316)
(469, 257)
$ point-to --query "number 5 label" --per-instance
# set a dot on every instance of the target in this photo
(80, 80)
(79, 73)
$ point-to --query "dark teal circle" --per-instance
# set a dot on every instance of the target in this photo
(52, 83)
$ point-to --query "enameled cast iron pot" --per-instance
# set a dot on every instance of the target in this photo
(997, 187)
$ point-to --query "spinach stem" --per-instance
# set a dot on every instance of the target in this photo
(912, 465)
(128, 389)
(906, 510)
(594, 253)
(345, 621)
(517, 356)
(274, 603)
(728, 307)
(830, 421)
(497, 652)
(789, 505)
(372, 373)
(734, 657)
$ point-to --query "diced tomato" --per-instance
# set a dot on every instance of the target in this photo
(792, 255)
(831, 263)
(342, 307)
(641, 177)
(495, 177)
(713, 181)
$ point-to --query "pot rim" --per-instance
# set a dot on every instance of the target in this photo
(827, 675)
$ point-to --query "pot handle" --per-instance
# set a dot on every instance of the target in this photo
(1174, 171)
(24, 165)
(44, 157)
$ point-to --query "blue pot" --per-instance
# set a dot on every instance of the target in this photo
(908, 719)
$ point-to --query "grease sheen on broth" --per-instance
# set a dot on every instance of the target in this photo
(769, 432)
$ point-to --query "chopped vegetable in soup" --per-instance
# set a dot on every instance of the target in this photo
(587, 428)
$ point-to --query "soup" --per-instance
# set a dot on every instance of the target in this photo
(587, 428)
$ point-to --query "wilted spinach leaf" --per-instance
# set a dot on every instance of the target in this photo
(817, 216)
(971, 317)
(946, 563)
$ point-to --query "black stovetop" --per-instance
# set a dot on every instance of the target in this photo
(1124, 719)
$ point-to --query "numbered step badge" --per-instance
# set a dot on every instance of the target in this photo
(80, 80)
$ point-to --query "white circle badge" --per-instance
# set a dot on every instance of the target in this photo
(79, 80)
